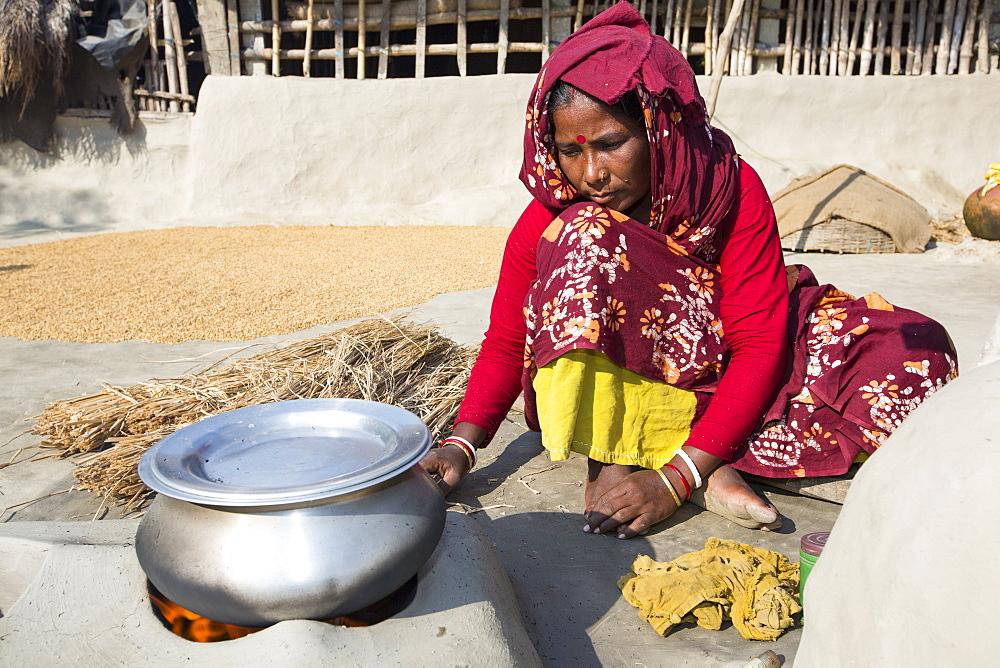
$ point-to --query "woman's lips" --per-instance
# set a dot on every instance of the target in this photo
(602, 199)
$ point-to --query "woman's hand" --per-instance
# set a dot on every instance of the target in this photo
(638, 502)
(447, 465)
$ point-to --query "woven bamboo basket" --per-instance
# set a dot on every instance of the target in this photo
(840, 236)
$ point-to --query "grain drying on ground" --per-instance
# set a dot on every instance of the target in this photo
(234, 283)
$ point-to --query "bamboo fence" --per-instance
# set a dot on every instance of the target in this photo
(364, 38)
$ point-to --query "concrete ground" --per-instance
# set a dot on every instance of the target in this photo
(565, 579)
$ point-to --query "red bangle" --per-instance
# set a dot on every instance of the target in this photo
(687, 487)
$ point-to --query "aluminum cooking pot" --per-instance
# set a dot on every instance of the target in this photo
(305, 509)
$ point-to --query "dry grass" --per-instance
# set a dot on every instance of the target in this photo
(34, 37)
(414, 367)
(233, 283)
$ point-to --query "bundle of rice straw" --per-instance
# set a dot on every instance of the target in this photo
(391, 361)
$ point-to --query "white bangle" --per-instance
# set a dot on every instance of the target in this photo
(470, 450)
(691, 467)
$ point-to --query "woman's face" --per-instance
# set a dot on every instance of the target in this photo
(610, 166)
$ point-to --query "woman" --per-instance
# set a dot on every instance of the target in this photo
(644, 308)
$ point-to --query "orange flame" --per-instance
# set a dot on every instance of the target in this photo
(194, 627)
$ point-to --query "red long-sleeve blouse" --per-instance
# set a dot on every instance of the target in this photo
(754, 312)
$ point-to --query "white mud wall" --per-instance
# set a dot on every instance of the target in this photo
(262, 150)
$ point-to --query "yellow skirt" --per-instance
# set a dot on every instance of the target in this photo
(587, 404)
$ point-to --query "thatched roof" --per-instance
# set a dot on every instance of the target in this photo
(35, 36)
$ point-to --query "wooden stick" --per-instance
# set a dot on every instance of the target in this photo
(160, 95)
(170, 57)
(338, 37)
(968, 37)
(741, 28)
(882, 30)
(668, 20)
(182, 73)
(725, 40)
(808, 37)
(983, 57)
(791, 22)
(957, 30)
(578, 19)
(421, 38)
(411, 50)
(276, 39)
(852, 51)
(546, 36)
(918, 49)
(746, 66)
(462, 37)
(824, 37)
(896, 54)
(834, 36)
(944, 44)
(153, 72)
(653, 16)
(843, 37)
(503, 39)
(686, 34)
(362, 38)
(309, 39)
(911, 38)
(866, 42)
(233, 30)
(383, 40)
(709, 29)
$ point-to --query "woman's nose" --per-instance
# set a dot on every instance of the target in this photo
(595, 173)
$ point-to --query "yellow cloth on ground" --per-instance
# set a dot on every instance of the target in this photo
(588, 404)
(756, 588)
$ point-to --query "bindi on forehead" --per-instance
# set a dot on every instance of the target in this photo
(580, 139)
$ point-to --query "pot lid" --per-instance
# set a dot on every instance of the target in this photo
(285, 452)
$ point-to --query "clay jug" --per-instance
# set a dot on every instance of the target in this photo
(982, 208)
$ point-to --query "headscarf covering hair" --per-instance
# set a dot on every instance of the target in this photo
(694, 170)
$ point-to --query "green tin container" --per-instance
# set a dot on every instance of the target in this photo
(810, 547)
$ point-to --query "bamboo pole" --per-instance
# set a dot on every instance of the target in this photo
(411, 50)
(968, 37)
(741, 30)
(233, 30)
(462, 38)
(824, 37)
(911, 38)
(791, 22)
(983, 57)
(834, 35)
(957, 30)
(503, 40)
(882, 30)
(896, 54)
(725, 40)
(686, 33)
(668, 21)
(809, 38)
(338, 37)
(843, 36)
(927, 66)
(182, 72)
(546, 23)
(852, 52)
(383, 40)
(709, 29)
(421, 60)
(578, 19)
(866, 42)
(170, 57)
(918, 50)
(276, 39)
(153, 71)
(653, 15)
(944, 44)
(746, 66)
(309, 39)
(362, 38)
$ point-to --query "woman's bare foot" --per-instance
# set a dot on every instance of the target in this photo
(600, 478)
(726, 493)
